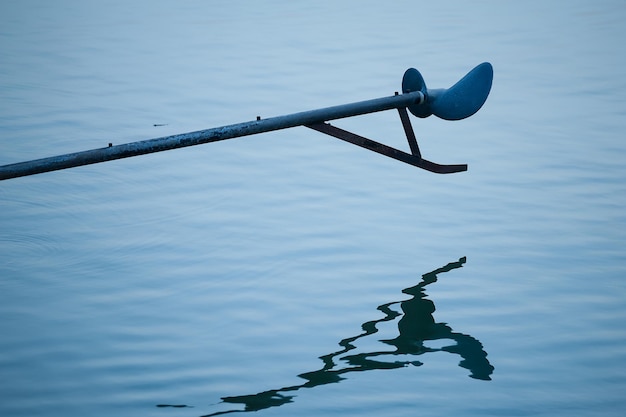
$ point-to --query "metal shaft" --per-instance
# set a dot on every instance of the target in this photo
(209, 135)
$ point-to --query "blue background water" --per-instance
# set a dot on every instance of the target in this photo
(228, 269)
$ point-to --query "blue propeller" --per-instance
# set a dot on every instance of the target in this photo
(461, 100)
(457, 102)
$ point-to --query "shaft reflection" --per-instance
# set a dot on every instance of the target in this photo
(416, 326)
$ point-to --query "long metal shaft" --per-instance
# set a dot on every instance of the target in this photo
(209, 135)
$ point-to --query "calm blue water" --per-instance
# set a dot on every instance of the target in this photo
(292, 273)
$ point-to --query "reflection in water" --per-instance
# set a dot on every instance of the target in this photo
(416, 326)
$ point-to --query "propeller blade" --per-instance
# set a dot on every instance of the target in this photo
(461, 100)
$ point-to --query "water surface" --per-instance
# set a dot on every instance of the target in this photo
(267, 273)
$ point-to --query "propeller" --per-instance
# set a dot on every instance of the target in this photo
(461, 100)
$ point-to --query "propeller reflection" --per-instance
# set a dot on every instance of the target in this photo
(416, 327)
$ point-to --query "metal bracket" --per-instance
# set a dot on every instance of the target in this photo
(415, 158)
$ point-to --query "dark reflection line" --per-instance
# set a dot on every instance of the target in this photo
(416, 326)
